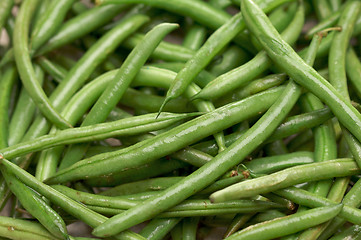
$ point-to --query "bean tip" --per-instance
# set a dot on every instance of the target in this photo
(167, 99)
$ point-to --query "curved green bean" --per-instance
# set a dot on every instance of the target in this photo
(25, 68)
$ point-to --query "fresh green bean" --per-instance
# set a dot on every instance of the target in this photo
(5, 11)
(158, 228)
(288, 177)
(212, 170)
(155, 168)
(36, 206)
(84, 67)
(49, 23)
(287, 225)
(353, 66)
(294, 66)
(165, 51)
(93, 132)
(117, 87)
(166, 141)
(72, 207)
(240, 76)
(23, 112)
(53, 69)
(8, 77)
(25, 68)
(337, 55)
(190, 226)
(81, 25)
(23, 229)
(203, 56)
(195, 37)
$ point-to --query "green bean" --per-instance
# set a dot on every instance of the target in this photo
(185, 213)
(298, 70)
(81, 25)
(353, 66)
(324, 24)
(158, 228)
(49, 23)
(93, 132)
(8, 77)
(151, 103)
(352, 232)
(84, 67)
(220, 38)
(117, 87)
(288, 177)
(293, 125)
(203, 56)
(168, 144)
(23, 229)
(275, 163)
(153, 184)
(190, 226)
(36, 206)
(199, 11)
(322, 8)
(238, 221)
(212, 170)
(23, 112)
(72, 207)
(25, 68)
(287, 225)
(240, 76)
(231, 58)
(153, 169)
(56, 71)
(5, 11)
(309, 199)
(337, 55)
(195, 37)
(165, 51)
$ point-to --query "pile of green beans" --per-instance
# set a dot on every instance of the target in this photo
(180, 119)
